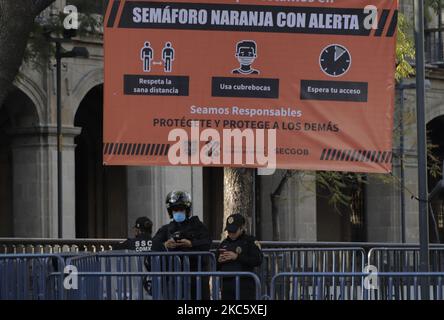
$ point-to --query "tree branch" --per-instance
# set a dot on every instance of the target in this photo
(40, 5)
(288, 174)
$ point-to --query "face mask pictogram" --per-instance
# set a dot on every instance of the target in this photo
(246, 54)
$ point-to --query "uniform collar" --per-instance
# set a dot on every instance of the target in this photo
(143, 236)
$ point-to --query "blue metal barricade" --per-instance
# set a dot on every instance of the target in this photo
(308, 260)
(358, 285)
(404, 259)
(143, 288)
(161, 292)
(286, 274)
(27, 277)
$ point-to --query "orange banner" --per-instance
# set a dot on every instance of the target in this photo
(319, 74)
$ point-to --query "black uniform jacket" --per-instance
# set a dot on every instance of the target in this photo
(191, 229)
(248, 250)
(141, 243)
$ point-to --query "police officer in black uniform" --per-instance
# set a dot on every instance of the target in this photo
(238, 252)
(185, 233)
(142, 241)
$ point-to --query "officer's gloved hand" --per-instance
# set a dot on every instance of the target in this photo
(230, 255)
(171, 244)
(225, 255)
(184, 243)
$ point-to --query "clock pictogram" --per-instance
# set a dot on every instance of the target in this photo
(335, 60)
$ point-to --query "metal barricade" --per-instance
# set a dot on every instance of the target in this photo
(358, 286)
(308, 260)
(27, 277)
(105, 279)
(130, 288)
(55, 246)
(404, 259)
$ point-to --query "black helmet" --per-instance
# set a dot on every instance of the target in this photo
(178, 199)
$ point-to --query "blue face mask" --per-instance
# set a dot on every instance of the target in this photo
(179, 216)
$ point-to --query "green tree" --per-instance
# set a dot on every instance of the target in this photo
(16, 23)
(24, 34)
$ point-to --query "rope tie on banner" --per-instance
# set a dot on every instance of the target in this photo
(419, 200)
(413, 196)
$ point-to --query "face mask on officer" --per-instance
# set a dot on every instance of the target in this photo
(179, 216)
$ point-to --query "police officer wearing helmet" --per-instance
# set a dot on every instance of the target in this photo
(185, 233)
(238, 252)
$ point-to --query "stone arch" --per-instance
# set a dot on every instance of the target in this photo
(101, 193)
(84, 85)
(18, 114)
(435, 134)
(34, 93)
(434, 112)
(19, 111)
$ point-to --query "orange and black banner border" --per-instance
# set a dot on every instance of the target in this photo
(382, 23)
(112, 15)
(356, 156)
(136, 149)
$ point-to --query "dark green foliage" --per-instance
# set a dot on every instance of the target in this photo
(40, 50)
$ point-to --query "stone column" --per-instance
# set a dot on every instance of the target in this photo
(146, 196)
(5, 190)
(383, 210)
(189, 179)
(148, 187)
(34, 154)
(383, 204)
(411, 205)
(69, 181)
